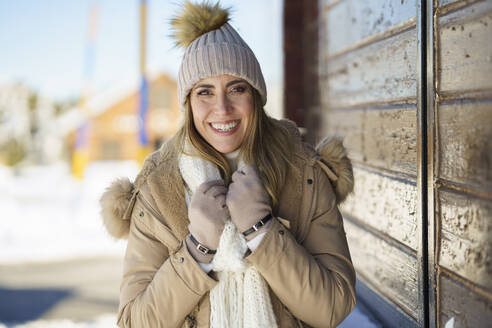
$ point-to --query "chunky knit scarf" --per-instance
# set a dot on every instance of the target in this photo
(241, 297)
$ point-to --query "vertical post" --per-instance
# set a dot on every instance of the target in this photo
(143, 102)
(431, 137)
(293, 26)
(425, 159)
(312, 114)
(301, 75)
(80, 157)
(422, 161)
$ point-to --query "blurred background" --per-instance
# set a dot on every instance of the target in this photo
(88, 89)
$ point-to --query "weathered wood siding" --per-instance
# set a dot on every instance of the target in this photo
(388, 205)
(395, 276)
(463, 162)
(368, 88)
(369, 73)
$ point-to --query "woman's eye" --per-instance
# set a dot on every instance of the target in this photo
(204, 92)
(238, 89)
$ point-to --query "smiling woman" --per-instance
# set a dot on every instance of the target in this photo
(222, 107)
(233, 222)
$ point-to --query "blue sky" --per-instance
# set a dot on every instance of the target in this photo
(43, 42)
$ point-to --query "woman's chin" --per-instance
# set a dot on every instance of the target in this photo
(226, 149)
(225, 144)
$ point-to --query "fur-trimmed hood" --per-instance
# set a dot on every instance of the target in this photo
(118, 199)
(334, 155)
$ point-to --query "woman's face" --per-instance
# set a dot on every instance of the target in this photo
(222, 109)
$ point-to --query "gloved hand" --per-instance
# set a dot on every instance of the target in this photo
(208, 214)
(247, 200)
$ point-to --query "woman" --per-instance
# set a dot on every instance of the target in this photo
(234, 221)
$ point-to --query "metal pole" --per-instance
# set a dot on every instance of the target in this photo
(80, 156)
(143, 103)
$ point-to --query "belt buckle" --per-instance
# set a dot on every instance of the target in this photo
(202, 249)
(258, 225)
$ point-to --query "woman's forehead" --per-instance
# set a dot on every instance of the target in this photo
(220, 79)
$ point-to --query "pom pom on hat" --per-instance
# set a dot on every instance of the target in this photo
(197, 19)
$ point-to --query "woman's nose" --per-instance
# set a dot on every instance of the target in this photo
(223, 104)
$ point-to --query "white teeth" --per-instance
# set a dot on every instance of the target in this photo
(225, 127)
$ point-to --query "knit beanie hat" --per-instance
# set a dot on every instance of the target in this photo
(213, 48)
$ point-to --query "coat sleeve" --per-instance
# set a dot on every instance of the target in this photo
(315, 280)
(158, 289)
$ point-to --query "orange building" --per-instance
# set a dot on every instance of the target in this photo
(113, 132)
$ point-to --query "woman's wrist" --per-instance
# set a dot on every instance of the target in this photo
(195, 253)
(259, 227)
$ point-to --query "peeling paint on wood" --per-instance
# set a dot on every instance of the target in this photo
(466, 237)
(366, 18)
(384, 71)
(469, 309)
(366, 67)
(465, 49)
(385, 204)
(391, 271)
(465, 142)
(383, 138)
(464, 57)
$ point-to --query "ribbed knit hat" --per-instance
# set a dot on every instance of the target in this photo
(213, 48)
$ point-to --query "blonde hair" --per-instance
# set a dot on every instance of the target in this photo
(266, 145)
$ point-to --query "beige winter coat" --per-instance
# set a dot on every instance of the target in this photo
(304, 256)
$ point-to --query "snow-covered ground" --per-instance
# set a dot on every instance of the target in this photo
(48, 215)
(105, 321)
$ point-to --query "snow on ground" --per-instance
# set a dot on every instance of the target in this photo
(105, 321)
(49, 215)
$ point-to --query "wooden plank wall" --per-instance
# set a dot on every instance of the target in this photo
(370, 70)
(463, 162)
(368, 89)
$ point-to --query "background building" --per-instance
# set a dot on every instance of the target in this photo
(113, 129)
(26, 126)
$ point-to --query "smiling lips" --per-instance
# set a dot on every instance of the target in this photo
(225, 128)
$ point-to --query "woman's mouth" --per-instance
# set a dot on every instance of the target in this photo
(225, 128)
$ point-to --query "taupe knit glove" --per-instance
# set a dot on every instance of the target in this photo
(247, 199)
(208, 214)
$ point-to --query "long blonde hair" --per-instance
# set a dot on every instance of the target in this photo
(265, 145)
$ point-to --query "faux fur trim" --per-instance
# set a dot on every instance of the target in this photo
(334, 155)
(117, 201)
(114, 203)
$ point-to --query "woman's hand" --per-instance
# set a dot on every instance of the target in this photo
(208, 213)
(247, 199)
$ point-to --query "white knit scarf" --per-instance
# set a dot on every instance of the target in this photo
(241, 297)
